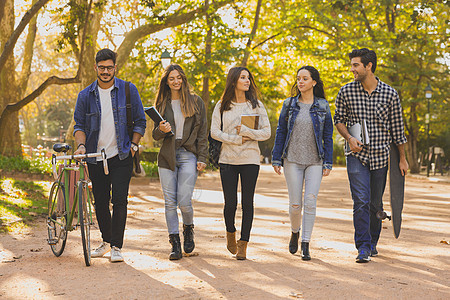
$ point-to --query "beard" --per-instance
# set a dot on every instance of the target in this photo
(360, 77)
(106, 74)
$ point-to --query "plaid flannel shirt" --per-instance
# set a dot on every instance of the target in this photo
(383, 113)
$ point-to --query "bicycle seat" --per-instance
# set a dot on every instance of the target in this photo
(61, 147)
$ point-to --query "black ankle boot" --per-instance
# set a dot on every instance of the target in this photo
(305, 251)
(188, 234)
(174, 239)
(293, 243)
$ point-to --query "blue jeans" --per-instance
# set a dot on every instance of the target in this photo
(178, 187)
(295, 174)
(367, 188)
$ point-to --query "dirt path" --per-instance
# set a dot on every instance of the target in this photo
(416, 266)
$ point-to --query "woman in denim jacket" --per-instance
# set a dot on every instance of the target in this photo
(304, 147)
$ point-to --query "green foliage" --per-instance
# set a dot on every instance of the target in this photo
(14, 164)
(21, 203)
(338, 151)
(150, 154)
(72, 18)
(150, 168)
(38, 165)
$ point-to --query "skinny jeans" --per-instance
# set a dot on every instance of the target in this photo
(178, 187)
(311, 176)
(229, 175)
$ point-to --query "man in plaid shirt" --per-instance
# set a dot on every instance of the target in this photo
(369, 100)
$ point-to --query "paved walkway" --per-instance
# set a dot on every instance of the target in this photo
(416, 266)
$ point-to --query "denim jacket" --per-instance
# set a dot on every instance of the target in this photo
(323, 130)
(87, 116)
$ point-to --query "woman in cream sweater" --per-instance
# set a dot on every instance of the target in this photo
(240, 154)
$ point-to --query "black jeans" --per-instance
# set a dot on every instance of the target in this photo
(229, 174)
(118, 180)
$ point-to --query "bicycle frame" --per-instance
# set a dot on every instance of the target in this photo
(79, 168)
(61, 211)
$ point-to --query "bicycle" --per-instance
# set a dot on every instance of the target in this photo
(61, 212)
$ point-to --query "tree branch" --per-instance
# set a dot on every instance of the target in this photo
(296, 27)
(252, 34)
(171, 21)
(366, 21)
(11, 43)
(36, 93)
(28, 55)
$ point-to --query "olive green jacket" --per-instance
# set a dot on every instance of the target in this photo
(195, 137)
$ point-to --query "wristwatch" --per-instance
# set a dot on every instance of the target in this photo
(135, 147)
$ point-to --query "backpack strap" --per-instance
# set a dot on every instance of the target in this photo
(128, 106)
(136, 158)
(292, 102)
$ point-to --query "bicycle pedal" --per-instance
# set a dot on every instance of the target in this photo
(52, 241)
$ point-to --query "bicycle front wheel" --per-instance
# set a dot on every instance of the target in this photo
(84, 218)
(57, 219)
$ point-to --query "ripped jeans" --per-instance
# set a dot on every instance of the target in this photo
(295, 175)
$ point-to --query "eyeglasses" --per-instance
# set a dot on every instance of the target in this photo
(103, 68)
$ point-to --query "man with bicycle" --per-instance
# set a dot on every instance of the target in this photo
(101, 123)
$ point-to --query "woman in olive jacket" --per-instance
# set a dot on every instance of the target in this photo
(183, 153)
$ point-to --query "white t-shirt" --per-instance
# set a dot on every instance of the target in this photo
(107, 136)
(179, 118)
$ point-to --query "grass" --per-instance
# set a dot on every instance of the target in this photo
(21, 203)
(36, 165)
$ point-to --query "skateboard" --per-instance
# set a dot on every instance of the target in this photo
(397, 189)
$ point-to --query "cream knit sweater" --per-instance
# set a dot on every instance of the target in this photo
(234, 152)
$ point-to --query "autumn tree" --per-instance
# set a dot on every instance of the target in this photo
(81, 21)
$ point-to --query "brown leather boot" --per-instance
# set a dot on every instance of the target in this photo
(241, 250)
(231, 242)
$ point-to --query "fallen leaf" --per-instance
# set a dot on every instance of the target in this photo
(8, 261)
(296, 295)
(445, 242)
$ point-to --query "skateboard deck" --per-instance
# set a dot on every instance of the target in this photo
(397, 189)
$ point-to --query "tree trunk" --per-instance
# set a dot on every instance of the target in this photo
(252, 35)
(9, 132)
(413, 133)
(87, 59)
(208, 46)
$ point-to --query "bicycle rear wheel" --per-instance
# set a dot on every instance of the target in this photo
(57, 219)
(84, 218)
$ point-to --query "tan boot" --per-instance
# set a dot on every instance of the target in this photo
(231, 242)
(241, 250)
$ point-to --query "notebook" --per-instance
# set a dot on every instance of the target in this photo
(250, 120)
(359, 132)
(153, 113)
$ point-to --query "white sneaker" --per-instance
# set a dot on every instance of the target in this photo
(116, 254)
(101, 250)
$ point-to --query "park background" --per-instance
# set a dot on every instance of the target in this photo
(48, 49)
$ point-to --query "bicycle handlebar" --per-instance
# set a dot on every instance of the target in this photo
(101, 154)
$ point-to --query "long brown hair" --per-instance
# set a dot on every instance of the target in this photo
(229, 94)
(188, 104)
(318, 90)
